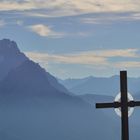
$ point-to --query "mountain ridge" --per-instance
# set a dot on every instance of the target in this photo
(100, 85)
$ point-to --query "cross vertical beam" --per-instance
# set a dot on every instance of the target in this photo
(124, 106)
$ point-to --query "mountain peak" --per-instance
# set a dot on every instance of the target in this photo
(8, 46)
(10, 57)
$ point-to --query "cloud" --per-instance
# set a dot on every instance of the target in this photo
(59, 8)
(67, 59)
(96, 58)
(128, 64)
(45, 31)
(6, 5)
(133, 53)
(2, 23)
(109, 18)
(111, 10)
(19, 22)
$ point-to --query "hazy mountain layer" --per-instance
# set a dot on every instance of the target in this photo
(99, 85)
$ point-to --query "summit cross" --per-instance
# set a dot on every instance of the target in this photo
(123, 104)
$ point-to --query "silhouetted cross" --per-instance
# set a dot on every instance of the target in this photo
(123, 105)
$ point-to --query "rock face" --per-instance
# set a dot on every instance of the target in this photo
(10, 57)
(34, 106)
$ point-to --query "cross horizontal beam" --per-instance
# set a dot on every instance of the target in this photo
(108, 105)
(117, 104)
(133, 103)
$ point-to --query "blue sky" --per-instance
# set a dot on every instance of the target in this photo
(75, 39)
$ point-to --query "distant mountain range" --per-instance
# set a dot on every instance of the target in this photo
(100, 86)
(34, 106)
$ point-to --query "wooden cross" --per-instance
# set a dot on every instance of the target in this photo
(123, 104)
